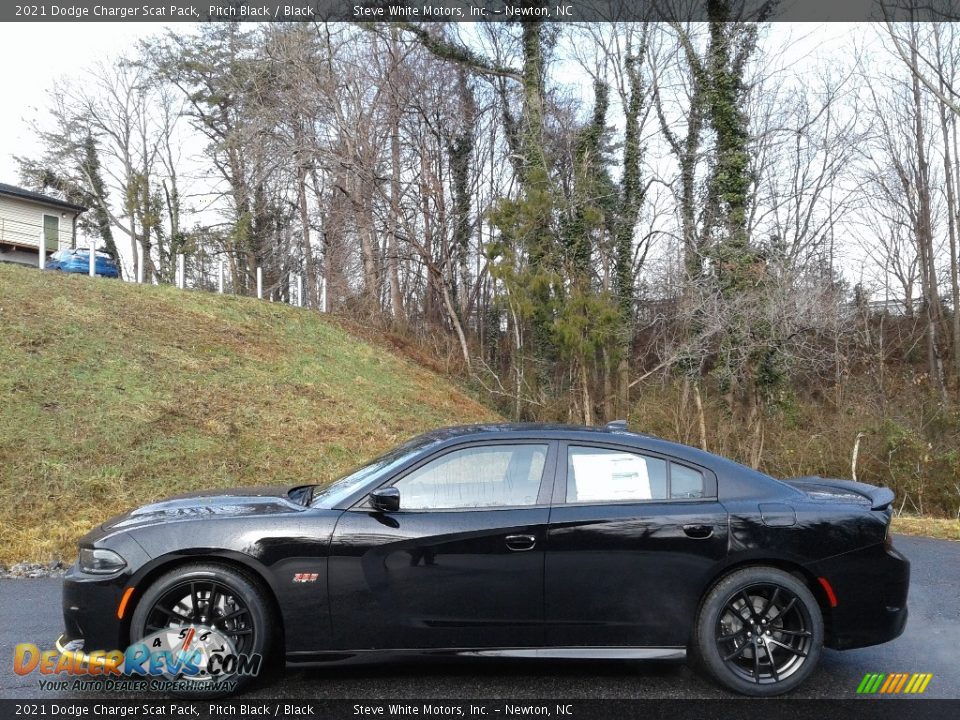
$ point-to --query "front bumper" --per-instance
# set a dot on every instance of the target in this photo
(74, 650)
(871, 587)
(90, 605)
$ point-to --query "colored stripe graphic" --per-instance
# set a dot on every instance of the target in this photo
(919, 683)
(870, 683)
(894, 683)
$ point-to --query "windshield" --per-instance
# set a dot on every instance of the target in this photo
(337, 491)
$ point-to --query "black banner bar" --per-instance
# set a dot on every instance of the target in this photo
(741, 709)
(463, 11)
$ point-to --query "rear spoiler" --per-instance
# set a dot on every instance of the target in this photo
(880, 498)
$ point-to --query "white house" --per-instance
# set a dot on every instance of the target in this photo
(24, 215)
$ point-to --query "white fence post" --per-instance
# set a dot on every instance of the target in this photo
(299, 290)
(42, 251)
(93, 260)
(139, 255)
(181, 271)
(259, 283)
(323, 295)
(220, 278)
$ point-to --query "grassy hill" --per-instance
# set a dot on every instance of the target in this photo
(112, 395)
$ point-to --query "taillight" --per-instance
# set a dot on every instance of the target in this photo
(888, 538)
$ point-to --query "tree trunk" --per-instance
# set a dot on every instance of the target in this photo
(452, 312)
(623, 388)
(609, 401)
(701, 418)
(585, 389)
(393, 250)
(925, 239)
(954, 252)
(306, 246)
(368, 250)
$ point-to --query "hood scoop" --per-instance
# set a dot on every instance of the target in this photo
(197, 506)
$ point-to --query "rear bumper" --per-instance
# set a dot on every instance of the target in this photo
(871, 588)
(889, 626)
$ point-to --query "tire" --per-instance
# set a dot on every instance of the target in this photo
(784, 652)
(242, 612)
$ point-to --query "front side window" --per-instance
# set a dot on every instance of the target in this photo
(603, 475)
(476, 477)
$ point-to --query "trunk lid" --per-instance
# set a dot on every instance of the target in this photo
(833, 490)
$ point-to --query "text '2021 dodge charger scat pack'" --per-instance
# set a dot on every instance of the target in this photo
(507, 541)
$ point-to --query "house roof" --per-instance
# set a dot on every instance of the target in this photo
(23, 194)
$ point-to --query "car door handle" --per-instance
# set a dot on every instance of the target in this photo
(698, 531)
(521, 543)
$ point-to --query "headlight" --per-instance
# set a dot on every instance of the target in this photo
(100, 561)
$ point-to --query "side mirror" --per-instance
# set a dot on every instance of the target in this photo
(386, 499)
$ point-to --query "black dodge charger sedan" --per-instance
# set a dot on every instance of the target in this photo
(538, 541)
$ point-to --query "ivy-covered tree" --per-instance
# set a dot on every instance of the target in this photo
(72, 170)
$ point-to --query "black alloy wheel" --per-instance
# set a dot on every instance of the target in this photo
(203, 602)
(760, 631)
(217, 596)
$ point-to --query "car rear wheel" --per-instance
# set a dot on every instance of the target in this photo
(759, 632)
(207, 595)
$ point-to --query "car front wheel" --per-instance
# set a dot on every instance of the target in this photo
(759, 632)
(206, 596)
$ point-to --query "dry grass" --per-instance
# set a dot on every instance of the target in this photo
(927, 527)
(113, 395)
(909, 443)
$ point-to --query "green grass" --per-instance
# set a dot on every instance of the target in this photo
(113, 395)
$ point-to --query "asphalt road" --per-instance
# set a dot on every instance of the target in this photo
(30, 612)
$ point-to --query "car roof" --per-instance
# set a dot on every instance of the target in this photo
(614, 433)
(552, 430)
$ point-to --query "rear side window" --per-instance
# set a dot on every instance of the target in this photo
(604, 475)
(601, 474)
(476, 477)
(685, 482)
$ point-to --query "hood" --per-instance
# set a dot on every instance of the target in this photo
(208, 504)
(847, 491)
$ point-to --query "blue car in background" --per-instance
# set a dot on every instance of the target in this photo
(77, 260)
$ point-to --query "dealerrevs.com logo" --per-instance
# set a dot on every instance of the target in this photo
(180, 659)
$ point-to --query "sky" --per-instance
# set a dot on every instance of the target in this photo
(71, 47)
(23, 91)
(33, 55)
